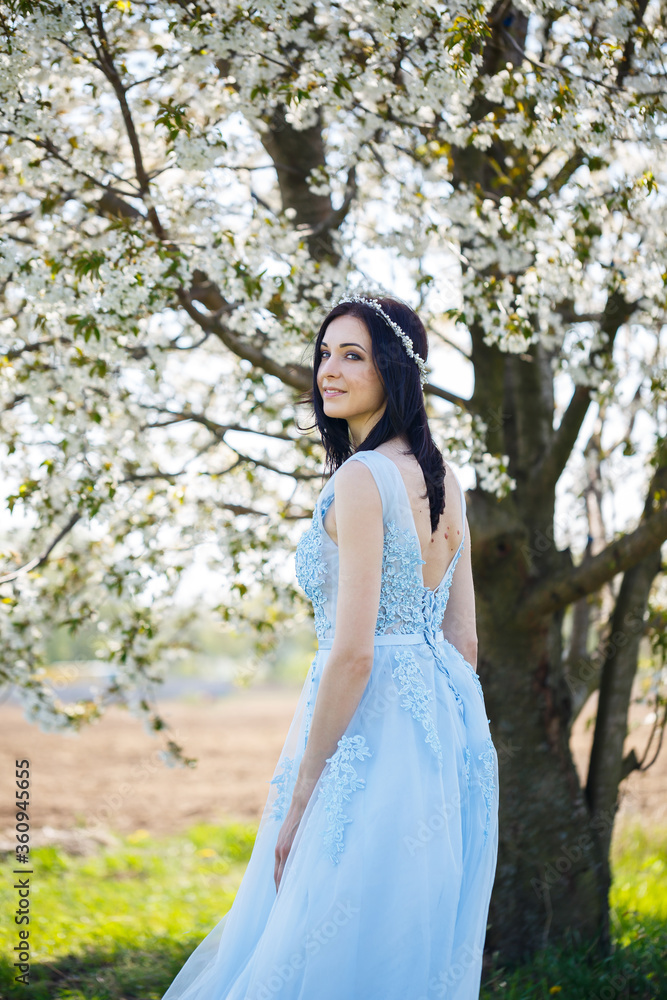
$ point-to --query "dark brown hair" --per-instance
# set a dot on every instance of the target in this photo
(405, 412)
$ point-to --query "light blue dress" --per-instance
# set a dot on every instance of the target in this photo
(386, 890)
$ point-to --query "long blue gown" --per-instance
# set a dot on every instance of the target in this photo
(386, 890)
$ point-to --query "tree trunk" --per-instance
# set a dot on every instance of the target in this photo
(606, 767)
(550, 876)
(553, 877)
(584, 670)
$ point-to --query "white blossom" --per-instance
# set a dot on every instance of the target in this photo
(126, 246)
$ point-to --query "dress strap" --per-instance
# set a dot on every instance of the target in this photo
(390, 483)
(463, 513)
(463, 503)
(382, 469)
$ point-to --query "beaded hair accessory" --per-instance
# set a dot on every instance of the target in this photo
(395, 328)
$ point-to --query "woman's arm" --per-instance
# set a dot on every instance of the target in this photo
(347, 670)
(459, 623)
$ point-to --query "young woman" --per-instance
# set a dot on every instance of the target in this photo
(372, 870)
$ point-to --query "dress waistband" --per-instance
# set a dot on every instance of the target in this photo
(393, 639)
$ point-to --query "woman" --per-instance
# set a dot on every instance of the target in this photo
(371, 874)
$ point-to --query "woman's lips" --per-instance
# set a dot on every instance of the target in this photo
(333, 392)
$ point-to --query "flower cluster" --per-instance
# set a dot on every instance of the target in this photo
(167, 257)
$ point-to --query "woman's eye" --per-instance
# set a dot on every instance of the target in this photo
(350, 354)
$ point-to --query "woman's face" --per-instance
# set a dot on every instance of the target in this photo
(350, 386)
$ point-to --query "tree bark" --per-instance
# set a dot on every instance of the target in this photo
(606, 766)
(606, 769)
(549, 883)
(552, 878)
(583, 670)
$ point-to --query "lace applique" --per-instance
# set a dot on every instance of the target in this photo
(336, 786)
(478, 683)
(401, 594)
(326, 503)
(487, 779)
(457, 696)
(442, 593)
(309, 716)
(417, 697)
(282, 783)
(466, 765)
(310, 706)
(311, 570)
(470, 667)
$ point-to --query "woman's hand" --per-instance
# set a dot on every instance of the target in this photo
(286, 838)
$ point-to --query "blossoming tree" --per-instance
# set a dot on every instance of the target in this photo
(186, 188)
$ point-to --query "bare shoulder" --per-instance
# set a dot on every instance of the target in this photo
(359, 515)
(355, 483)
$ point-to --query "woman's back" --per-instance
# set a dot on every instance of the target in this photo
(421, 561)
(437, 548)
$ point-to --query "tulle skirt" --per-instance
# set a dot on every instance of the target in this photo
(386, 891)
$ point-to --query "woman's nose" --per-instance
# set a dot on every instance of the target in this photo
(329, 367)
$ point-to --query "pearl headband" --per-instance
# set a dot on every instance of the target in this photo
(407, 343)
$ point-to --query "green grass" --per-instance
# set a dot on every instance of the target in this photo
(120, 924)
(638, 913)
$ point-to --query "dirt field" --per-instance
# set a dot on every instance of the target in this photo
(110, 778)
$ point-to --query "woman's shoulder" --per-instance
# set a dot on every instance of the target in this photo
(363, 478)
(357, 468)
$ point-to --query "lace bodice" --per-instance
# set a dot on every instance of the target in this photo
(406, 605)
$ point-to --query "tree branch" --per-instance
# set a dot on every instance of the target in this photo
(625, 66)
(561, 178)
(563, 589)
(607, 764)
(564, 71)
(15, 402)
(144, 477)
(103, 52)
(444, 339)
(295, 375)
(216, 428)
(17, 352)
(53, 151)
(435, 390)
(617, 312)
(334, 219)
(291, 474)
(41, 559)
(566, 435)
